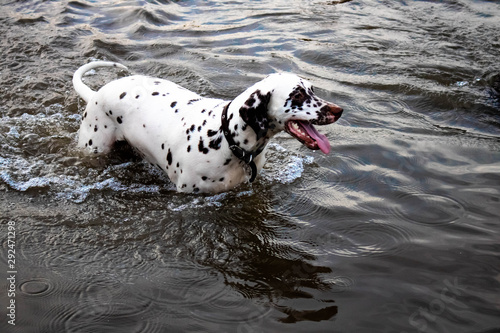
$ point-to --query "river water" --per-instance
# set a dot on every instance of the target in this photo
(396, 230)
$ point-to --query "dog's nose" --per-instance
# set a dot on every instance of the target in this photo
(336, 110)
(338, 114)
(332, 111)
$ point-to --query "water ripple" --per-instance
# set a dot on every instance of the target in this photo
(347, 168)
(340, 284)
(54, 299)
(90, 305)
(429, 209)
(37, 287)
(107, 317)
(232, 307)
(364, 239)
(385, 106)
(185, 285)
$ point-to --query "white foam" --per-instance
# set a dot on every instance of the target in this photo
(282, 166)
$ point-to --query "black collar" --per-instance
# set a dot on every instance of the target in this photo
(239, 152)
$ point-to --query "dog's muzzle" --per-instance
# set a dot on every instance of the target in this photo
(305, 132)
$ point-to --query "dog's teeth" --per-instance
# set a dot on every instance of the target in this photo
(298, 128)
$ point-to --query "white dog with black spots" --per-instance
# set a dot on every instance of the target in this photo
(203, 144)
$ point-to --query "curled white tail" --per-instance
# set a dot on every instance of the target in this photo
(83, 90)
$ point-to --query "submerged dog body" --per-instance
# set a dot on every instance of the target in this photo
(203, 144)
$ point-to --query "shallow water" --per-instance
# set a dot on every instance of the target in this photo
(397, 230)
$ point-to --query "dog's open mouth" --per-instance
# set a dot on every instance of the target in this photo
(308, 135)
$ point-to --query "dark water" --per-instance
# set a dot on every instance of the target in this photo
(397, 230)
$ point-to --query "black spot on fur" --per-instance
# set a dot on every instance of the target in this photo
(215, 144)
(201, 147)
(204, 177)
(90, 142)
(325, 109)
(95, 103)
(169, 157)
(123, 95)
(211, 133)
(110, 112)
(188, 149)
(222, 179)
(298, 97)
(173, 104)
(227, 161)
(136, 97)
(193, 127)
(163, 146)
(95, 128)
(119, 120)
(250, 102)
(155, 93)
(85, 115)
(193, 100)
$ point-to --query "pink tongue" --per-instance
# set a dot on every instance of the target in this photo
(321, 139)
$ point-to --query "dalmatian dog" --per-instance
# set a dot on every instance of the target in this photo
(203, 144)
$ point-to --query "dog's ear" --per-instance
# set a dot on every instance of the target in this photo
(254, 112)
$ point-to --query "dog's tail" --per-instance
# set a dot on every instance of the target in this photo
(83, 90)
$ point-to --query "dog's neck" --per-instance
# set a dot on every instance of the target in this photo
(246, 124)
(248, 117)
(242, 133)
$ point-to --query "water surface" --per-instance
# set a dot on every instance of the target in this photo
(397, 230)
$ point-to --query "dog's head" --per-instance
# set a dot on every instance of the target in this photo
(287, 102)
